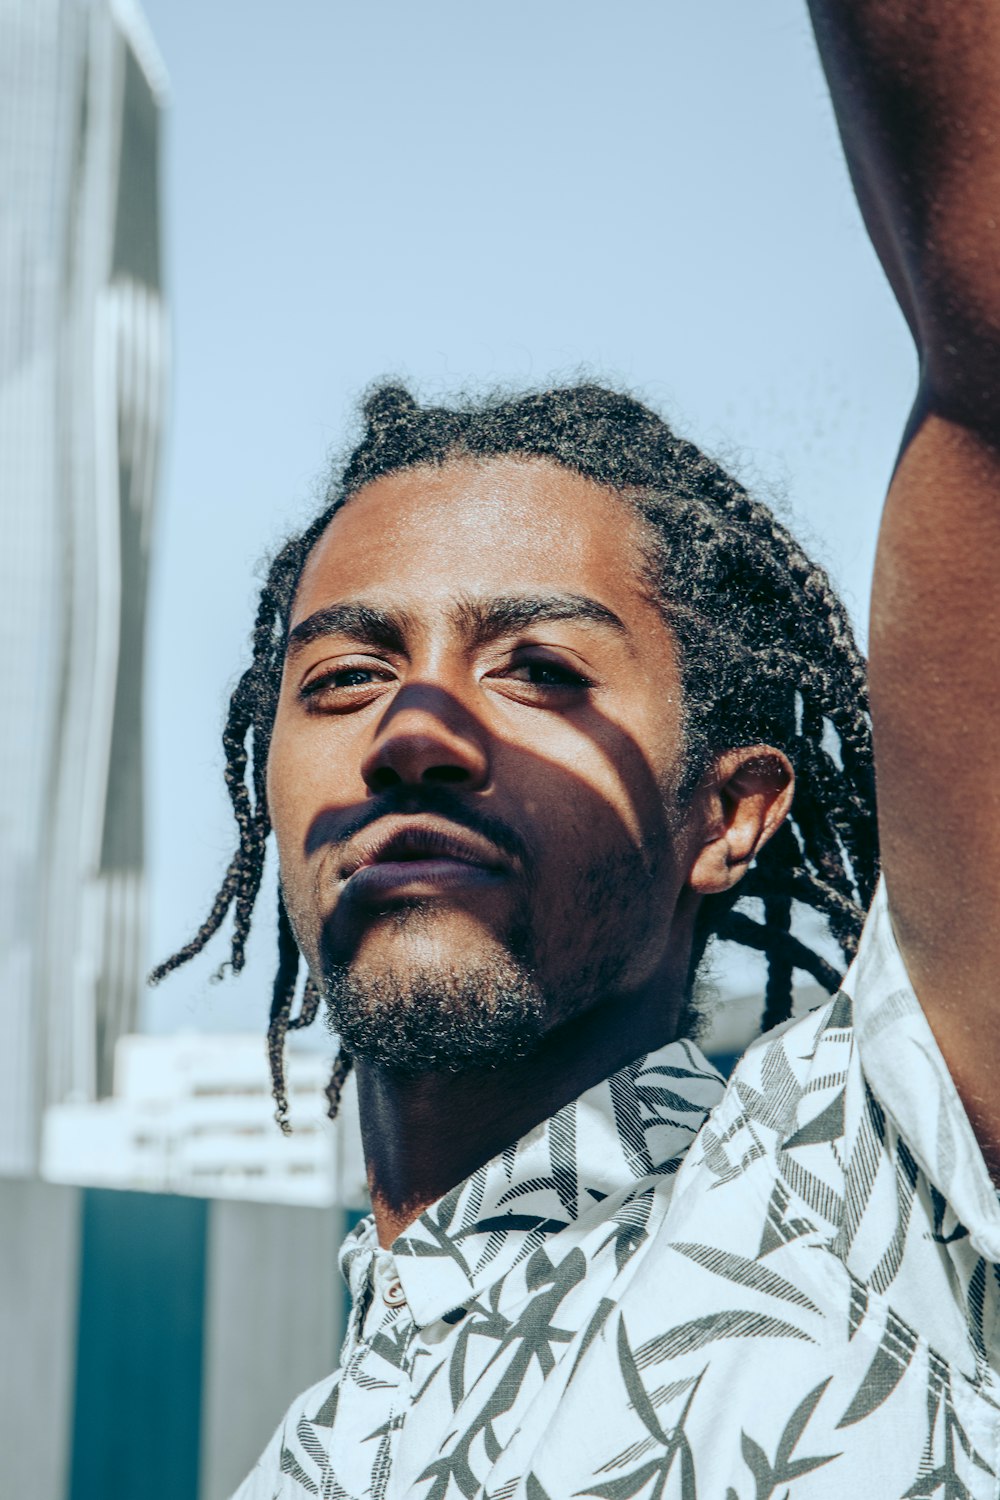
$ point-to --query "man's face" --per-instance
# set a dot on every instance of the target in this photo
(473, 760)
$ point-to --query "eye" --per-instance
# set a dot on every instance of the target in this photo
(348, 685)
(541, 680)
(546, 674)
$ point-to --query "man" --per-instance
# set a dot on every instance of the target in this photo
(537, 697)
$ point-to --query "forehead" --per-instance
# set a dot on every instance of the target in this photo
(425, 535)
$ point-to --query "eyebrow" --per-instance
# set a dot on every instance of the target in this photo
(358, 621)
(484, 620)
(479, 620)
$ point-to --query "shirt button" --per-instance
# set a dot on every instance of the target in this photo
(393, 1294)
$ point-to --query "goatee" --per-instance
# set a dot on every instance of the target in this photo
(437, 1020)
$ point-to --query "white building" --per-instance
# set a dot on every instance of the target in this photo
(193, 1114)
(83, 361)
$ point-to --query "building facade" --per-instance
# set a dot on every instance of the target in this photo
(83, 362)
(152, 1339)
(193, 1113)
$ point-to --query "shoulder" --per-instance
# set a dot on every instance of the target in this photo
(762, 1189)
(800, 1085)
(909, 1075)
(842, 1131)
(285, 1468)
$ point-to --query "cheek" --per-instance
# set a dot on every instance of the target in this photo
(287, 837)
(617, 789)
(587, 826)
(280, 781)
(297, 790)
(292, 806)
(606, 822)
(306, 772)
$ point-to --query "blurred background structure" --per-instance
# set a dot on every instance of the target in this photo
(82, 397)
(127, 1319)
(463, 196)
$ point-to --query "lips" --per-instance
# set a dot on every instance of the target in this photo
(419, 851)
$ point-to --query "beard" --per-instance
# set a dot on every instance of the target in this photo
(410, 1018)
(418, 1018)
(434, 1019)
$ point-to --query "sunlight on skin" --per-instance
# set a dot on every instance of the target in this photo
(564, 730)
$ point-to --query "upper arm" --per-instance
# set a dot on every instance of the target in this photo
(935, 689)
(916, 88)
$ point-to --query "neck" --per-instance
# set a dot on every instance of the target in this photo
(423, 1135)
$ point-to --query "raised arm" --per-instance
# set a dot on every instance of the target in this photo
(916, 87)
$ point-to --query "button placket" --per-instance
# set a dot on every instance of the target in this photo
(387, 1282)
(393, 1294)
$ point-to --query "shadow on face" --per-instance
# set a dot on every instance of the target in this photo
(473, 771)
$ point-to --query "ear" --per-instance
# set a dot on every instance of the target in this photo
(745, 797)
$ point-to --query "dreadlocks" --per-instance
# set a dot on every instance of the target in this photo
(766, 652)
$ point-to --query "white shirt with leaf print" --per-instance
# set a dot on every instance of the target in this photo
(674, 1290)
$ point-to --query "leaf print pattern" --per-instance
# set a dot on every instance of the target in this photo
(768, 1476)
(889, 1364)
(743, 1272)
(787, 1289)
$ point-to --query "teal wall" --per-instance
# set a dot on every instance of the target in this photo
(137, 1410)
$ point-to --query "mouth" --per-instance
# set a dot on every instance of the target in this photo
(419, 857)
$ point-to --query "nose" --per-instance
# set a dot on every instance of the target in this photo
(427, 738)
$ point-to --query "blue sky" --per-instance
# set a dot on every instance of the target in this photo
(466, 195)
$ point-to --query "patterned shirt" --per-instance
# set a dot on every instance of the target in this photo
(679, 1290)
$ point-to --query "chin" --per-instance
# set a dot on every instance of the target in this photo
(418, 936)
(435, 1008)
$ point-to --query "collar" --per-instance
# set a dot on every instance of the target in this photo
(910, 1078)
(566, 1175)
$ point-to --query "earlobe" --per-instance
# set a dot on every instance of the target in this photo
(746, 796)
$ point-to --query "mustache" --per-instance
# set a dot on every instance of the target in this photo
(439, 801)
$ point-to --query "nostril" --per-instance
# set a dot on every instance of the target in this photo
(445, 774)
(384, 778)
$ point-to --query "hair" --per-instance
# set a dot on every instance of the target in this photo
(767, 656)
